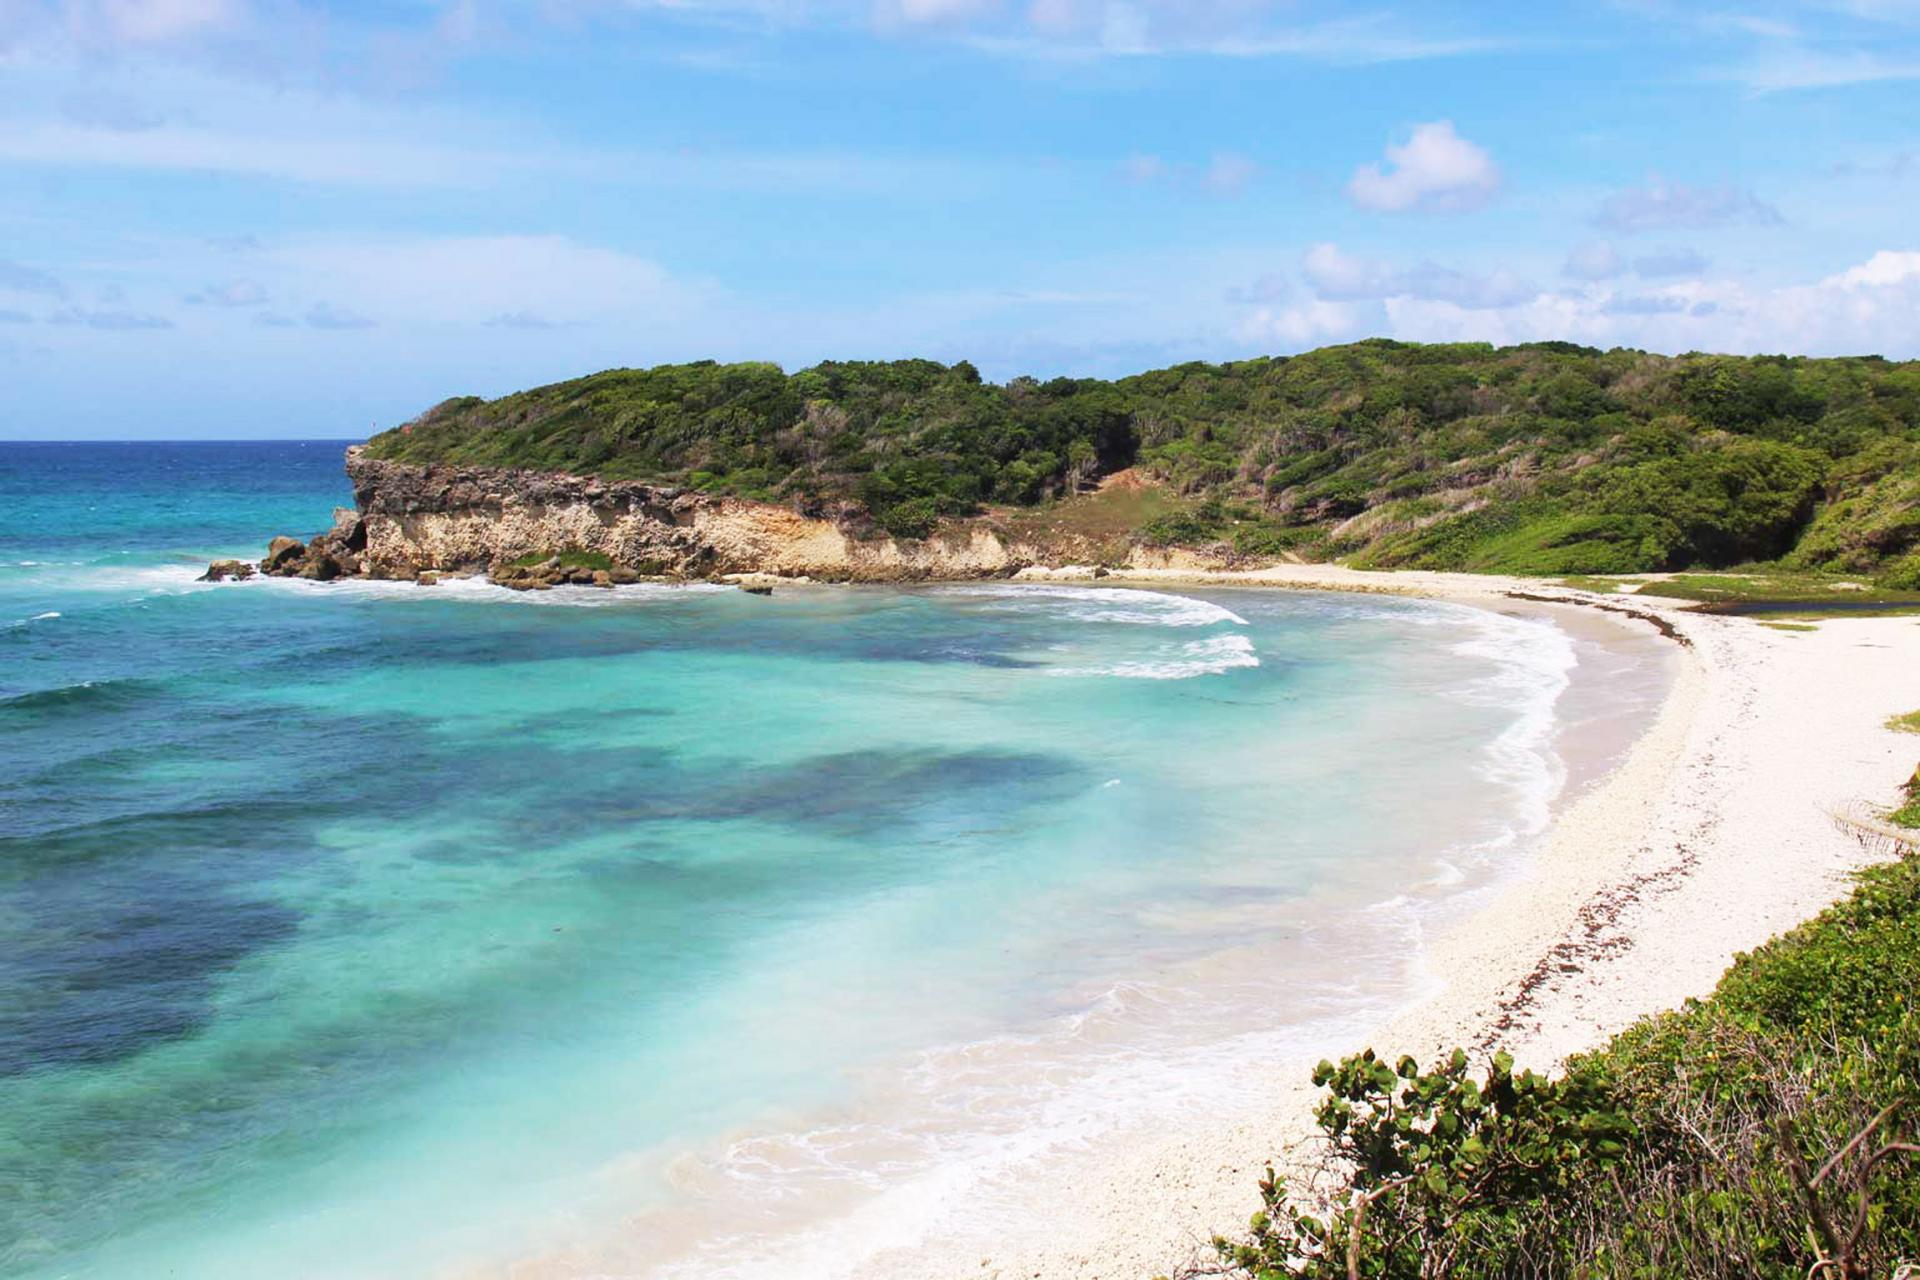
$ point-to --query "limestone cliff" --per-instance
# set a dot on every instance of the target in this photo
(411, 519)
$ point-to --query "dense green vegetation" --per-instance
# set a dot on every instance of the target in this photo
(569, 558)
(1545, 458)
(1767, 1132)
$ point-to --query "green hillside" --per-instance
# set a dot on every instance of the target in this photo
(1542, 458)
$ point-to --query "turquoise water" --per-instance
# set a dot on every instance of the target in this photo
(375, 930)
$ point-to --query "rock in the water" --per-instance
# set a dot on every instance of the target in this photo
(282, 553)
(427, 578)
(602, 578)
(756, 589)
(320, 568)
(623, 576)
(221, 570)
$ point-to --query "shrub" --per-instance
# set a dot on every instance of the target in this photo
(1771, 1131)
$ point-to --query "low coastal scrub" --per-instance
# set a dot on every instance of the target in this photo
(1543, 458)
(571, 558)
(1771, 1130)
(1811, 593)
(1908, 814)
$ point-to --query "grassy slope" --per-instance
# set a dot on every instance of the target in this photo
(1545, 458)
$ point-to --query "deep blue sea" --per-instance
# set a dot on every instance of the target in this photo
(377, 930)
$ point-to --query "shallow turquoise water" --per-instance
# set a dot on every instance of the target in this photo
(375, 930)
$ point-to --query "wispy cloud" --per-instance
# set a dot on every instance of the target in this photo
(1793, 67)
(1093, 29)
(109, 319)
(325, 315)
(1662, 263)
(237, 293)
(521, 320)
(129, 23)
(1594, 260)
(1661, 204)
(24, 279)
(1337, 276)
(1225, 173)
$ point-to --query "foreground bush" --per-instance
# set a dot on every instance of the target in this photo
(1771, 1130)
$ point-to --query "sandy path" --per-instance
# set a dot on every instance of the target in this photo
(1712, 835)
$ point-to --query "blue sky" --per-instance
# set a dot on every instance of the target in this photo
(299, 218)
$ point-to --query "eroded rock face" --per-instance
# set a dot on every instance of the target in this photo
(411, 520)
(281, 552)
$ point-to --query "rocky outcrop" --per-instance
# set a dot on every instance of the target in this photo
(221, 570)
(533, 529)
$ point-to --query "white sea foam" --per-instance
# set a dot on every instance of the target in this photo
(1536, 661)
(1209, 657)
(1102, 604)
(479, 589)
(936, 1156)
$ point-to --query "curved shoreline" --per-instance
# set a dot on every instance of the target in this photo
(1710, 836)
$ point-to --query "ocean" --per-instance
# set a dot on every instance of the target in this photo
(367, 929)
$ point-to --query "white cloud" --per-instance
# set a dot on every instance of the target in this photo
(1311, 323)
(1594, 260)
(1870, 308)
(1336, 276)
(1885, 268)
(1229, 174)
(1598, 260)
(1661, 204)
(1435, 170)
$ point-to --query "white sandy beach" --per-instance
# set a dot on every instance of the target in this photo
(1714, 833)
